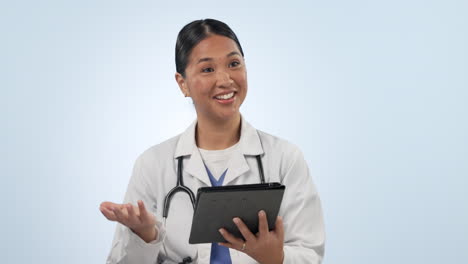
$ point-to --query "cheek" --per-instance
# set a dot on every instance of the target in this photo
(199, 87)
(240, 78)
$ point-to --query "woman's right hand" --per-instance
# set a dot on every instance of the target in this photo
(137, 218)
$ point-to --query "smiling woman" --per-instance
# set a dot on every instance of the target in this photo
(219, 148)
(215, 78)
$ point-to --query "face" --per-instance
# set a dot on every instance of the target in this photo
(215, 78)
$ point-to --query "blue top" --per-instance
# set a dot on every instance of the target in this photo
(219, 254)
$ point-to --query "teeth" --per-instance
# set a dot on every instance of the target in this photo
(225, 96)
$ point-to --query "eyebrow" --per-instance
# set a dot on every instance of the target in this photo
(210, 59)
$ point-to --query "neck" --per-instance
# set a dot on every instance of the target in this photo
(216, 135)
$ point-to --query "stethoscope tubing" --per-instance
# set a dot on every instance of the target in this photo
(180, 187)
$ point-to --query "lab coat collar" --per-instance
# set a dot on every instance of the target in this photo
(249, 145)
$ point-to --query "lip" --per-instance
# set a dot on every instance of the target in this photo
(223, 93)
(228, 101)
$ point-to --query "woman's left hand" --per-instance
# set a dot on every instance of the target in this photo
(264, 247)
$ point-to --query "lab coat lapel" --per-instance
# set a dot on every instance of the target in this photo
(196, 168)
(249, 145)
(236, 167)
(186, 146)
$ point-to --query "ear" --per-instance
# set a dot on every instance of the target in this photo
(182, 84)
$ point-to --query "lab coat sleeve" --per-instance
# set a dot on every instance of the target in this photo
(302, 213)
(127, 247)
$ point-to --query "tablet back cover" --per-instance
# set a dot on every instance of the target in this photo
(217, 206)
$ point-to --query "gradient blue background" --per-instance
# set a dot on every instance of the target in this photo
(373, 92)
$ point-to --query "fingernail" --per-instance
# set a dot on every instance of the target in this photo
(261, 213)
(236, 220)
(220, 231)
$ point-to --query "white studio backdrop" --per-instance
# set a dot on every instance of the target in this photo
(373, 92)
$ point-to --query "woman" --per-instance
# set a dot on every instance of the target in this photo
(219, 148)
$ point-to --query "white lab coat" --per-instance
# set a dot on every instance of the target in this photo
(154, 174)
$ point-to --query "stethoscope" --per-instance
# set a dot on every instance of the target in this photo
(180, 187)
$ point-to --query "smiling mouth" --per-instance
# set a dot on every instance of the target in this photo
(225, 96)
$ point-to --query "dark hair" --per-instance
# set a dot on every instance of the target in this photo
(194, 32)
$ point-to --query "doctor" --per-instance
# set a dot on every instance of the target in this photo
(219, 148)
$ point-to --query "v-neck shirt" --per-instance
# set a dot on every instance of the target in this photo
(217, 161)
(216, 164)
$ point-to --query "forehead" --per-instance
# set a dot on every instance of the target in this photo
(215, 47)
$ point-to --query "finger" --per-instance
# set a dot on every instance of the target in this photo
(245, 231)
(262, 223)
(121, 217)
(109, 205)
(123, 209)
(143, 212)
(132, 216)
(234, 241)
(279, 228)
(107, 213)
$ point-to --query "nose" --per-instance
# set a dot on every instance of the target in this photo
(223, 79)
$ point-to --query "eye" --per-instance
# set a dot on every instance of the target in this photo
(234, 64)
(207, 70)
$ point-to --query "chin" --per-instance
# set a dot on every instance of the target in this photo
(227, 116)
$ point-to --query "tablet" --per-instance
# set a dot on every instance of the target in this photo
(217, 206)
